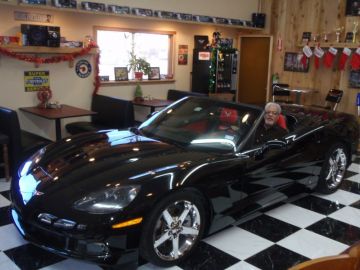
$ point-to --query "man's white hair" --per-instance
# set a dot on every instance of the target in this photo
(274, 104)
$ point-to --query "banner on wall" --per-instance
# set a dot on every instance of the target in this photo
(36, 80)
(183, 55)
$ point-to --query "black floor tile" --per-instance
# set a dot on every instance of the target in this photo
(207, 257)
(336, 230)
(349, 174)
(351, 186)
(319, 205)
(5, 218)
(269, 228)
(356, 204)
(6, 194)
(30, 257)
(276, 258)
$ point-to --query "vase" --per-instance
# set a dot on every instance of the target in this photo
(138, 75)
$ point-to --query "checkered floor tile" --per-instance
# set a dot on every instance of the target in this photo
(304, 227)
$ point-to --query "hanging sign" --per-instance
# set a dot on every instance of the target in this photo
(36, 80)
(183, 55)
(33, 17)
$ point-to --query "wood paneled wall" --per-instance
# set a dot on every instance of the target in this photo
(289, 19)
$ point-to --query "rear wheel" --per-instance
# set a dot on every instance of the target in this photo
(333, 170)
(173, 229)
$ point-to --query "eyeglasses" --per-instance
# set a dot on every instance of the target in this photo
(272, 112)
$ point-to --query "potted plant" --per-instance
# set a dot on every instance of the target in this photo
(138, 95)
(139, 65)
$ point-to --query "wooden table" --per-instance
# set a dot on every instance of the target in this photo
(153, 103)
(65, 111)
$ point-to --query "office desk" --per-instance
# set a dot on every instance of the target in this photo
(65, 111)
(153, 103)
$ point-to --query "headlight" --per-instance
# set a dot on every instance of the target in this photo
(108, 200)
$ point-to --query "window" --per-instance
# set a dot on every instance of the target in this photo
(116, 44)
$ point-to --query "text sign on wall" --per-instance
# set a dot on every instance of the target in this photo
(36, 80)
(33, 17)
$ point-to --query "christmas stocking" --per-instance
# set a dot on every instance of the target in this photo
(329, 57)
(343, 58)
(319, 53)
(355, 60)
(307, 53)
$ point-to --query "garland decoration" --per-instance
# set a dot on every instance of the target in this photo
(57, 59)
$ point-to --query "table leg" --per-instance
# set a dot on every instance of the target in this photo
(298, 97)
(58, 129)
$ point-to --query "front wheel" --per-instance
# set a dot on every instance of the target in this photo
(173, 229)
(333, 169)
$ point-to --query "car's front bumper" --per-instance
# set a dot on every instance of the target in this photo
(108, 250)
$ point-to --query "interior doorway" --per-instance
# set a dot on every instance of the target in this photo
(254, 69)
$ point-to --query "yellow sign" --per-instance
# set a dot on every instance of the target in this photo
(36, 80)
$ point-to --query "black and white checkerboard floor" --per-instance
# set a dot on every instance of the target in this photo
(305, 227)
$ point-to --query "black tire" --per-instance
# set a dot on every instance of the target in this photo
(162, 232)
(333, 170)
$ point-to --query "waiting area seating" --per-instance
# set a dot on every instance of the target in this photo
(280, 93)
(332, 99)
(179, 94)
(21, 144)
(112, 113)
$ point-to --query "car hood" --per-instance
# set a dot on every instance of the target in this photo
(85, 163)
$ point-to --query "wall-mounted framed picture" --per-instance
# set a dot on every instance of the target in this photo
(292, 62)
(121, 74)
(352, 8)
(154, 73)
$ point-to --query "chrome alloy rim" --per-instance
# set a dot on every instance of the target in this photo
(337, 167)
(176, 230)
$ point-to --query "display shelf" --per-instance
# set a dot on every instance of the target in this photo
(324, 44)
(45, 50)
(105, 13)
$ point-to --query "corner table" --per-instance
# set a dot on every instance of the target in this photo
(65, 111)
(153, 103)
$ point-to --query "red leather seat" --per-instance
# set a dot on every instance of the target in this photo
(282, 121)
(227, 118)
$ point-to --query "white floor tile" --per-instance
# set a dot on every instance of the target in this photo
(150, 266)
(295, 215)
(6, 263)
(242, 266)
(238, 242)
(10, 237)
(354, 167)
(340, 196)
(350, 215)
(354, 178)
(312, 245)
(71, 264)
(4, 202)
(4, 185)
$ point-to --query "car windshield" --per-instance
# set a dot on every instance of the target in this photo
(202, 122)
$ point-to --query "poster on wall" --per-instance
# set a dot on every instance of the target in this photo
(292, 62)
(183, 55)
(36, 80)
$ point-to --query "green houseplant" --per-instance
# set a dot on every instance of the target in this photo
(139, 65)
(138, 95)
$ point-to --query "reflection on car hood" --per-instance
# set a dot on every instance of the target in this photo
(94, 160)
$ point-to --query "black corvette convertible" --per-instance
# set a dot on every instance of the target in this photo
(189, 170)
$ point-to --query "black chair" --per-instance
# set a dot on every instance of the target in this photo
(112, 113)
(332, 99)
(21, 144)
(179, 94)
(280, 93)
